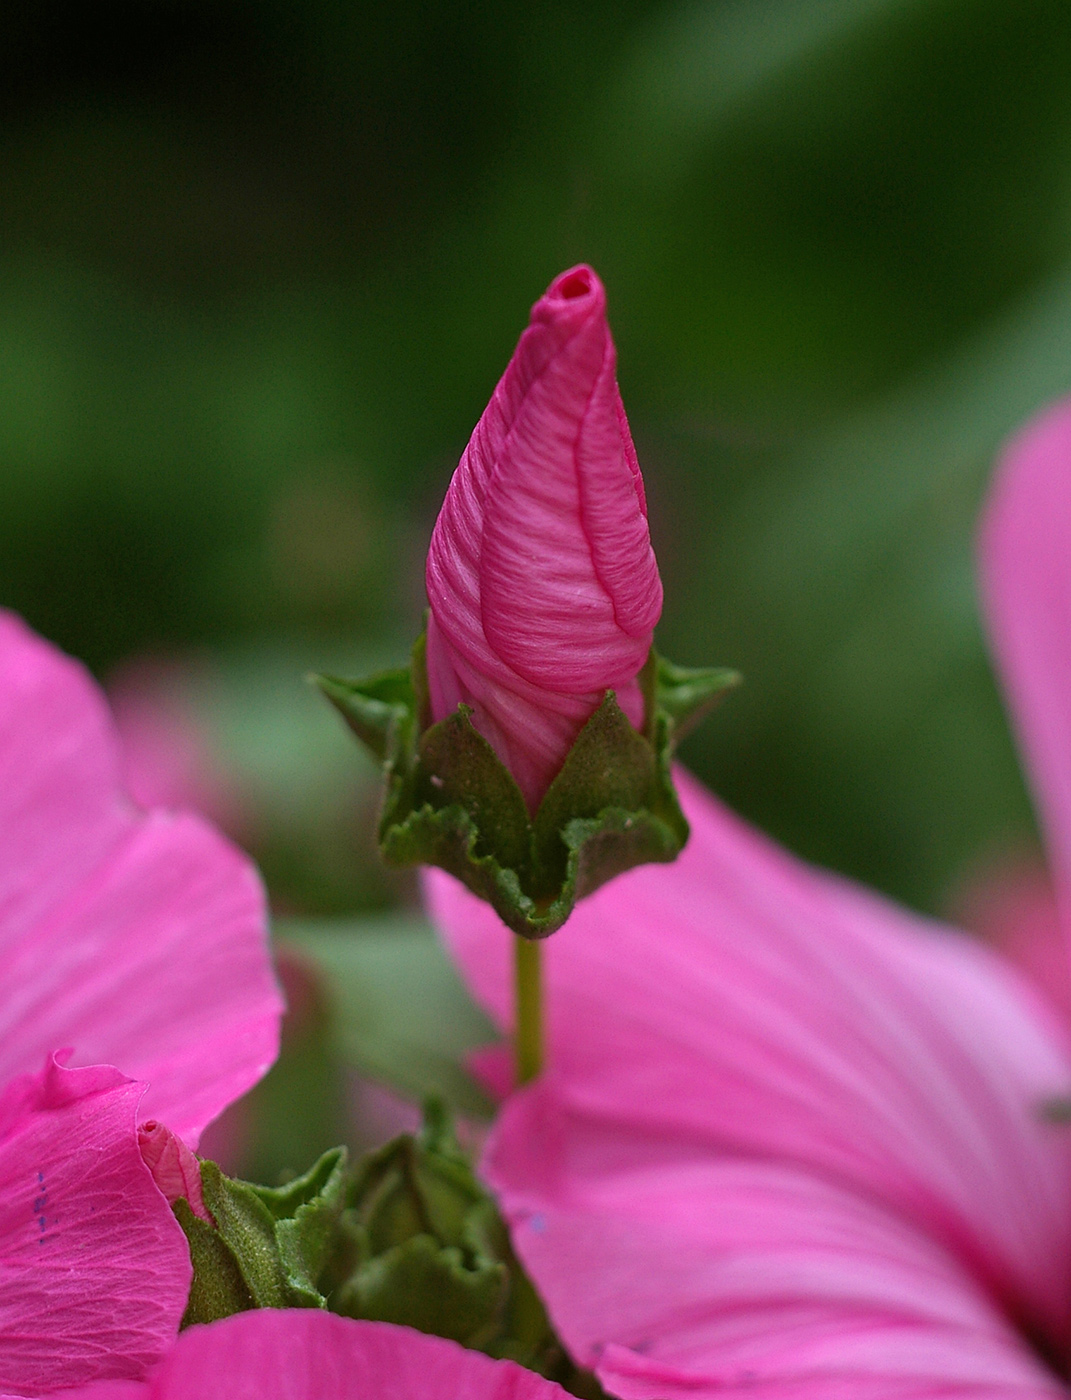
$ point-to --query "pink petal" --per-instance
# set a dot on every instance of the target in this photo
(138, 939)
(310, 1355)
(1012, 904)
(1026, 586)
(672, 1271)
(94, 1269)
(543, 585)
(741, 1002)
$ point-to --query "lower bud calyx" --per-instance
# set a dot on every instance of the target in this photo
(449, 801)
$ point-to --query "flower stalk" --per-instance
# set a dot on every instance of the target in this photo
(528, 1004)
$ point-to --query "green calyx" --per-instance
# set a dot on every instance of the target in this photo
(268, 1247)
(450, 801)
(408, 1235)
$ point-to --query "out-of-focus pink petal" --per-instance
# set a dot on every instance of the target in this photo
(167, 759)
(739, 1002)
(174, 1168)
(138, 939)
(1013, 906)
(94, 1269)
(1026, 588)
(671, 1272)
(310, 1355)
(543, 586)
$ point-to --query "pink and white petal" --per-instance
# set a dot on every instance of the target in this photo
(94, 1268)
(741, 1002)
(1026, 588)
(675, 1273)
(138, 939)
(310, 1355)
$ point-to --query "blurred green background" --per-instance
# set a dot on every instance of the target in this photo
(262, 263)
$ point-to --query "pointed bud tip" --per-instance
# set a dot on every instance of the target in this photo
(574, 293)
(174, 1168)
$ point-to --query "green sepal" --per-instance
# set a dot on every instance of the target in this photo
(429, 1287)
(449, 800)
(428, 1249)
(218, 1288)
(408, 1235)
(415, 1258)
(306, 1212)
(686, 694)
(268, 1246)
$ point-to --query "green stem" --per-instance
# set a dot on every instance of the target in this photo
(528, 990)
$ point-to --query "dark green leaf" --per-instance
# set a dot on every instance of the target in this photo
(609, 766)
(456, 766)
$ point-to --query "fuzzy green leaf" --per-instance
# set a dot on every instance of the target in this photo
(306, 1212)
(247, 1227)
(269, 1246)
(218, 1288)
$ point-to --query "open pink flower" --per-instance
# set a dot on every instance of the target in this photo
(543, 586)
(129, 939)
(792, 1140)
(311, 1355)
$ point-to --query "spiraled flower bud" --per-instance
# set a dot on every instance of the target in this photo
(543, 585)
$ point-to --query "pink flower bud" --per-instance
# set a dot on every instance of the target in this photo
(173, 1166)
(543, 586)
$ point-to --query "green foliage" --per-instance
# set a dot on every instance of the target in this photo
(417, 1257)
(242, 342)
(398, 1011)
(407, 1236)
(450, 801)
(218, 1288)
(426, 1248)
(267, 1248)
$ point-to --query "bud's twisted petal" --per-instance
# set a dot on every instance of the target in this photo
(174, 1168)
(543, 586)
